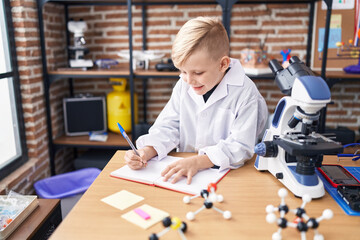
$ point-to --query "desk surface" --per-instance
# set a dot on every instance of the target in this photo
(246, 194)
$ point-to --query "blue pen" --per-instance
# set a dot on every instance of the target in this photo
(128, 139)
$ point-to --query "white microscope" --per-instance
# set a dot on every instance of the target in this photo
(79, 49)
(291, 151)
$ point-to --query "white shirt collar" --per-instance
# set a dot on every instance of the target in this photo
(235, 76)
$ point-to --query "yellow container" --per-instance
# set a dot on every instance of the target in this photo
(119, 106)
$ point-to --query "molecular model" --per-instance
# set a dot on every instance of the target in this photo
(302, 221)
(173, 223)
(210, 197)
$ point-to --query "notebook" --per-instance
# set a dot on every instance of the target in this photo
(151, 175)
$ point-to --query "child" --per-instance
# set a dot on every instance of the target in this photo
(214, 110)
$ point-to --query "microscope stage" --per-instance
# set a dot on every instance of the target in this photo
(298, 144)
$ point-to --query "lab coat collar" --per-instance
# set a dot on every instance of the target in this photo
(235, 76)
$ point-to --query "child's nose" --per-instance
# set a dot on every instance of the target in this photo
(190, 79)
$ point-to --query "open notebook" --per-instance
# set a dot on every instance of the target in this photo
(151, 175)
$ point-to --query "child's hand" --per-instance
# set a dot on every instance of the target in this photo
(137, 162)
(186, 167)
(134, 161)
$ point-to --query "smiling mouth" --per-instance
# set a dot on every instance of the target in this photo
(197, 88)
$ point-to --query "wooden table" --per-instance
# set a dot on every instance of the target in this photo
(39, 224)
(246, 192)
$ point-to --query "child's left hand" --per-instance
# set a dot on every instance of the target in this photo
(186, 167)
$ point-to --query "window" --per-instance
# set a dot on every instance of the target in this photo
(12, 137)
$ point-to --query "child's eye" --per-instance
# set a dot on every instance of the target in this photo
(199, 73)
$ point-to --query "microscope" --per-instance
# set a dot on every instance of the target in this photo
(292, 148)
(78, 50)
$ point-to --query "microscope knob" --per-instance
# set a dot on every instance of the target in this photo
(260, 149)
(266, 149)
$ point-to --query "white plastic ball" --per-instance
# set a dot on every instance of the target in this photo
(282, 192)
(271, 218)
(186, 199)
(190, 216)
(212, 197)
(227, 215)
(328, 214)
(270, 208)
(306, 198)
(276, 236)
(219, 198)
(318, 237)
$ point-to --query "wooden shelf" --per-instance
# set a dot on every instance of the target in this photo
(71, 72)
(155, 73)
(166, 2)
(95, 72)
(114, 140)
(133, 2)
(341, 74)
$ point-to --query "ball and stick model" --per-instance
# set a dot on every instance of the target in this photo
(210, 197)
(302, 221)
(171, 223)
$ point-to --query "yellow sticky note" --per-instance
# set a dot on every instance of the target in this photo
(156, 215)
(122, 200)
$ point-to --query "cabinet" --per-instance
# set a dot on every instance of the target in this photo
(41, 223)
(116, 141)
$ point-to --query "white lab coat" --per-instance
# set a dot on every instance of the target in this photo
(225, 128)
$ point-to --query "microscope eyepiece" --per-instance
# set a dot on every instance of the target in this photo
(294, 59)
(275, 66)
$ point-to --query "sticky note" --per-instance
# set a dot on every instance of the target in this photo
(157, 215)
(122, 200)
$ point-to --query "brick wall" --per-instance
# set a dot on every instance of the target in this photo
(30, 70)
(25, 20)
(279, 26)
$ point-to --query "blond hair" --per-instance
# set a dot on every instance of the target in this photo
(203, 33)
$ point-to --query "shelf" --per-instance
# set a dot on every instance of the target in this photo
(133, 2)
(155, 73)
(330, 75)
(333, 77)
(341, 75)
(114, 141)
(105, 73)
(167, 2)
(95, 72)
(92, 73)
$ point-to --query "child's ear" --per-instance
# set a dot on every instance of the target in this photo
(224, 63)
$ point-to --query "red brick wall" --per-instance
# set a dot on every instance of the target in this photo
(25, 20)
(30, 70)
(280, 26)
